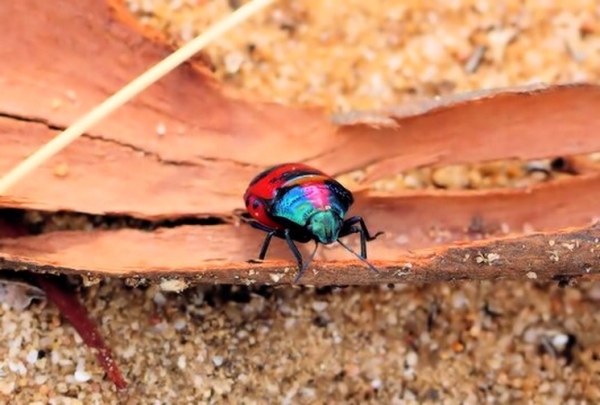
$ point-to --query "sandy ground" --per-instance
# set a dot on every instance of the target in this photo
(463, 343)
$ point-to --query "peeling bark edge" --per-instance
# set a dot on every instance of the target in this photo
(572, 253)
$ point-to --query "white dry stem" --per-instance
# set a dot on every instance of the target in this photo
(128, 92)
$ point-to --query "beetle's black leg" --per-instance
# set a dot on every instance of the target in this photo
(302, 266)
(265, 245)
(296, 253)
(348, 225)
(306, 263)
(259, 226)
(363, 239)
(293, 248)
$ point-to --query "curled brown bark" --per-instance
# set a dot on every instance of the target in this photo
(191, 255)
(199, 164)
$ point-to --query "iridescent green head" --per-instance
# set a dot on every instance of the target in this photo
(325, 226)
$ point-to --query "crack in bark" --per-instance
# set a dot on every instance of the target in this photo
(34, 120)
(35, 222)
(132, 147)
(137, 149)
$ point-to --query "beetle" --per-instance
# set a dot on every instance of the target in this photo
(299, 203)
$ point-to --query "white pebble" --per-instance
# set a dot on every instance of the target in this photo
(531, 275)
(54, 357)
(412, 359)
(217, 361)
(181, 362)
(285, 309)
(180, 324)
(560, 341)
(173, 285)
(460, 301)
(187, 31)
(530, 335)
(82, 376)
(161, 327)
(17, 367)
(40, 379)
(161, 129)
(376, 384)
(159, 299)
(129, 352)
(32, 356)
(308, 392)
(319, 306)
(233, 62)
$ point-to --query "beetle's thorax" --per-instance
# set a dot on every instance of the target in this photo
(325, 226)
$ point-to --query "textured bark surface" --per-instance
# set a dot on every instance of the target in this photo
(206, 257)
(188, 146)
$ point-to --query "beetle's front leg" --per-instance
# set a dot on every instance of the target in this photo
(348, 225)
(265, 245)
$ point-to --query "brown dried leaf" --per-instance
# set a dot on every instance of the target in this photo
(215, 138)
(18, 294)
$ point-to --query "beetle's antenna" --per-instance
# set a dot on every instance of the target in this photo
(306, 263)
(362, 259)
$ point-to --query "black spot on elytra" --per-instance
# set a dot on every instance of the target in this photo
(261, 176)
(291, 174)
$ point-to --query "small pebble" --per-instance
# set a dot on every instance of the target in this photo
(233, 62)
(32, 356)
(451, 177)
(412, 359)
(376, 384)
(181, 362)
(161, 129)
(217, 361)
(82, 376)
(62, 170)
(560, 340)
(159, 299)
(180, 324)
(319, 306)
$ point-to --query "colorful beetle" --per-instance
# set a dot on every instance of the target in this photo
(296, 202)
